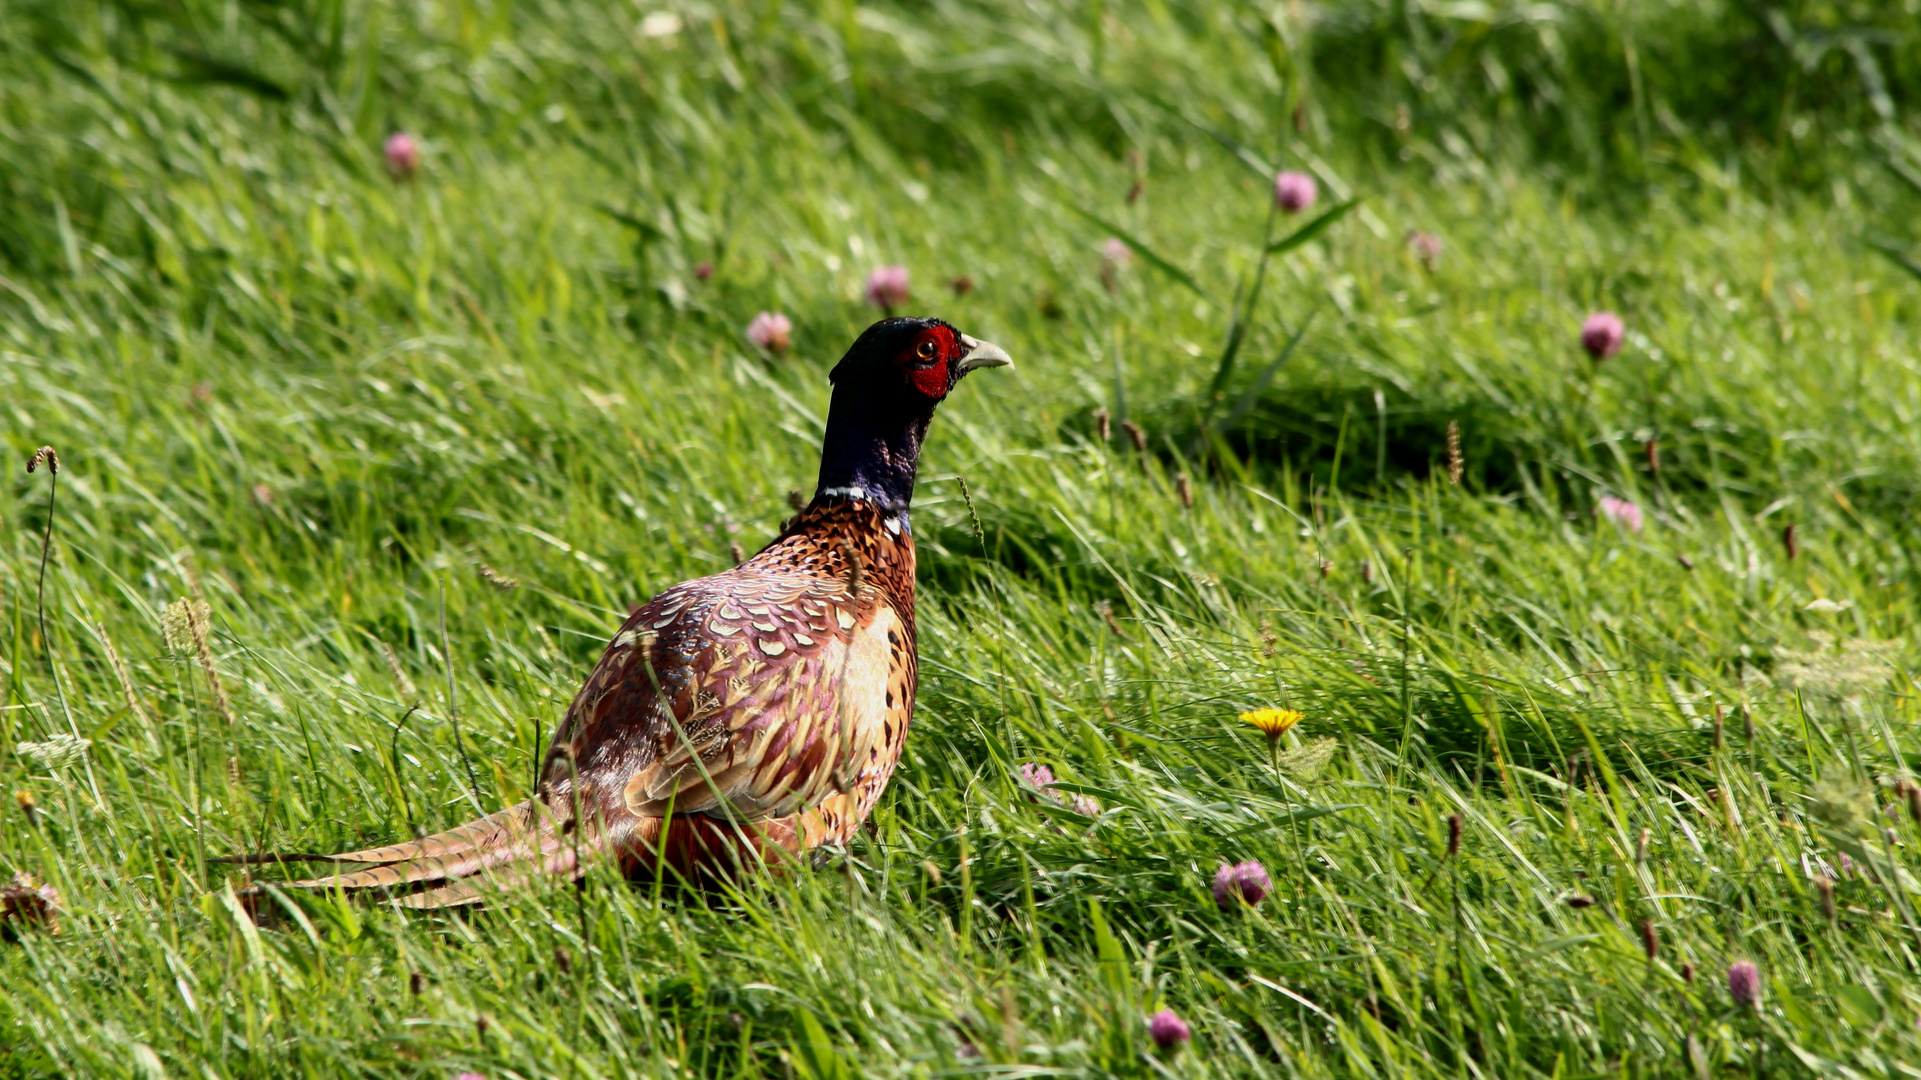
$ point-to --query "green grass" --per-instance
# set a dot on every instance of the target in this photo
(325, 401)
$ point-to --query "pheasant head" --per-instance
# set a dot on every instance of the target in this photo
(885, 391)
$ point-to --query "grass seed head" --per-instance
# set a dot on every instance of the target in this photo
(1185, 489)
(1824, 889)
(45, 455)
(1857, 667)
(1650, 943)
(1102, 425)
(416, 982)
(1135, 435)
(176, 626)
(1456, 464)
(1305, 762)
(1453, 835)
(57, 752)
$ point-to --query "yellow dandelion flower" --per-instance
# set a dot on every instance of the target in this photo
(1272, 723)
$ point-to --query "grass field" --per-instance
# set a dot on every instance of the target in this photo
(418, 444)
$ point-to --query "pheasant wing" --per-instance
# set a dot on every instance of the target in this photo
(761, 692)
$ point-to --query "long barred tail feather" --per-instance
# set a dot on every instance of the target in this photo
(464, 865)
(505, 851)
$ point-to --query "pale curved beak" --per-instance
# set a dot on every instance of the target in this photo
(982, 354)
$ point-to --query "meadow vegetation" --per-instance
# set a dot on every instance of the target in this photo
(417, 445)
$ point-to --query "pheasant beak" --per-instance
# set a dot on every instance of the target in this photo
(982, 354)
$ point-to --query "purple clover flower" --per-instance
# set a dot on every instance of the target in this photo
(1241, 883)
(1744, 983)
(1295, 191)
(1426, 247)
(403, 155)
(1621, 512)
(887, 288)
(771, 331)
(1042, 778)
(1602, 333)
(1168, 1030)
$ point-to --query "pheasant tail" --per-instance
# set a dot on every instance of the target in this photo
(463, 865)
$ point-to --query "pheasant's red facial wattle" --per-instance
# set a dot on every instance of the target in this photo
(928, 360)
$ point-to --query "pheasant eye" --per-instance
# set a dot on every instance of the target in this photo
(926, 350)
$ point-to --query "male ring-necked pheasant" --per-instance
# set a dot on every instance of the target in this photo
(746, 716)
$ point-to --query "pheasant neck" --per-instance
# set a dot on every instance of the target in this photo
(871, 452)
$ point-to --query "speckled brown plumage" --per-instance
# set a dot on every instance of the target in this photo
(749, 716)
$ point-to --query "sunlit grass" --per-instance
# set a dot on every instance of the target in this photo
(324, 404)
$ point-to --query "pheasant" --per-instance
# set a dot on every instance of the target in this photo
(741, 718)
